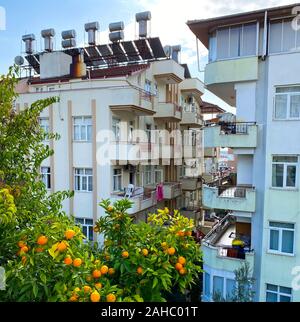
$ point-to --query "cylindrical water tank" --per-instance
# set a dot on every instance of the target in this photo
(28, 39)
(68, 43)
(116, 26)
(48, 33)
(116, 36)
(68, 34)
(140, 16)
(91, 28)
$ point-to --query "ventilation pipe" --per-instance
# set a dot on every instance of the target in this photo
(78, 66)
(91, 28)
(68, 38)
(28, 39)
(116, 31)
(142, 19)
(48, 35)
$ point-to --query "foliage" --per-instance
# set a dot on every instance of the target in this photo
(43, 251)
(243, 291)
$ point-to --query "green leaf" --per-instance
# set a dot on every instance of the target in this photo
(155, 282)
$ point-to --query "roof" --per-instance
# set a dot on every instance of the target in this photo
(209, 108)
(201, 28)
(117, 71)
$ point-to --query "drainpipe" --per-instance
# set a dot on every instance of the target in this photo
(265, 37)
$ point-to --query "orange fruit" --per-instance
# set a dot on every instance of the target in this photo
(73, 298)
(145, 252)
(39, 250)
(76, 290)
(107, 257)
(96, 273)
(125, 254)
(95, 296)
(24, 259)
(178, 266)
(164, 244)
(42, 240)
(182, 271)
(181, 260)
(77, 262)
(21, 243)
(88, 278)
(111, 271)
(68, 261)
(139, 270)
(188, 233)
(87, 289)
(180, 233)
(62, 246)
(111, 297)
(110, 208)
(24, 249)
(70, 233)
(98, 285)
(104, 269)
(171, 251)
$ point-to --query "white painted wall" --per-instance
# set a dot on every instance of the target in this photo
(245, 101)
(244, 169)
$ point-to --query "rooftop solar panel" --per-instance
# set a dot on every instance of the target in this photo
(118, 52)
(33, 61)
(157, 48)
(131, 52)
(104, 50)
(92, 51)
(143, 48)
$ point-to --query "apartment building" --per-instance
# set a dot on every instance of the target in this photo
(254, 66)
(122, 106)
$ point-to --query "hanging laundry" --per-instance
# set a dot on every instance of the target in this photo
(160, 192)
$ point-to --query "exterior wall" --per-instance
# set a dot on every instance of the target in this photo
(244, 169)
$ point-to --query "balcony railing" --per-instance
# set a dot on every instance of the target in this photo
(225, 191)
(230, 134)
(169, 111)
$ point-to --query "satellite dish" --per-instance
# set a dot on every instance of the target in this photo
(19, 60)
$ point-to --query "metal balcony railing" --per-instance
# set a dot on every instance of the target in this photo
(233, 127)
(226, 191)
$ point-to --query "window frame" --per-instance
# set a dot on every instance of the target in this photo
(46, 128)
(46, 177)
(87, 227)
(88, 178)
(288, 104)
(119, 176)
(280, 230)
(278, 293)
(285, 165)
(83, 125)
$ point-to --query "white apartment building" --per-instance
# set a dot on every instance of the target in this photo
(118, 104)
(254, 66)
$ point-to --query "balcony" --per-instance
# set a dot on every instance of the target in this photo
(192, 86)
(220, 76)
(190, 116)
(210, 152)
(237, 198)
(218, 250)
(132, 100)
(191, 209)
(191, 184)
(168, 71)
(168, 112)
(231, 135)
(133, 152)
(172, 190)
(141, 199)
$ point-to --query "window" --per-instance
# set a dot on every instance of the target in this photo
(282, 36)
(46, 176)
(117, 180)
(130, 132)
(148, 174)
(116, 129)
(87, 226)
(158, 175)
(284, 171)
(230, 286)
(207, 284)
(287, 103)
(233, 42)
(281, 238)
(218, 284)
(83, 179)
(276, 293)
(82, 128)
(147, 86)
(44, 124)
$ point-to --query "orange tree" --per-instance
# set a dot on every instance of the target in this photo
(43, 250)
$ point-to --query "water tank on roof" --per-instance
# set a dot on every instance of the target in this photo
(142, 19)
(28, 39)
(48, 35)
(91, 28)
(116, 36)
(68, 34)
(116, 26)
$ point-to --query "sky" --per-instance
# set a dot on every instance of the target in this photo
(169, 19)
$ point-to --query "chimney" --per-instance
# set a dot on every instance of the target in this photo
(68, 38)
(48, 35)
(78, 66)
(175, 52)
(142, 19)
(91, 28)
(28, 39)
(116, 31)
